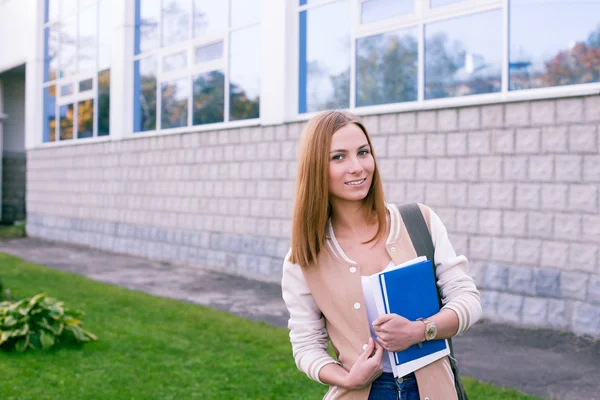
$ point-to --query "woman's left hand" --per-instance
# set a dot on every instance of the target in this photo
(396, 333)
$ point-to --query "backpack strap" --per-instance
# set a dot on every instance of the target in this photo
(421, 240)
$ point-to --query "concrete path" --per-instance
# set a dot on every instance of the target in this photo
(544, 363)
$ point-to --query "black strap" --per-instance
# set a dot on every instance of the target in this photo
(421, 240)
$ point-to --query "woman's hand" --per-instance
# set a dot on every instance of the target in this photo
(396, 333)
(367, 368)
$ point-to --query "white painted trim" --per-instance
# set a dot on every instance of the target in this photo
(34, 72)
(273, 61)
(589, 89)
(292, 71)
(121, 70)
(72, 142)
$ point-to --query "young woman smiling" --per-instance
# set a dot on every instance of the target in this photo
(342, 231)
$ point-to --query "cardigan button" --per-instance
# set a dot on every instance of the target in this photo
(357, 305)
(352, 269)
(393, 248)
(365, 347)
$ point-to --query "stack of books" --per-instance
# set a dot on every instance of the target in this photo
(409, 290)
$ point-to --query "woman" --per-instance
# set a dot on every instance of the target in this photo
(343, 230)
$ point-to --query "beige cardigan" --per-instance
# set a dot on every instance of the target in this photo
(326, 302)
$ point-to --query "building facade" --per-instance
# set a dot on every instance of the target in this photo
(168, 129)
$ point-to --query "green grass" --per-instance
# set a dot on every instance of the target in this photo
(155, 348)
(12, 231)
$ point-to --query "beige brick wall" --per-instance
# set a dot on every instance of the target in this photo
(517, 185)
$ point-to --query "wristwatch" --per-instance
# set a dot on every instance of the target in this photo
(430, 328)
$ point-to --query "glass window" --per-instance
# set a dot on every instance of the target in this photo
(51, 35)
(104, 33)
(104, 103)
(68, 8)
(146, 25)
(209, 52)
(387, 68)
(209, 98)
(463, 55)
(175, 21)
(324, 80)
(244, 12)
(51, 10)
(85, 119)
(66, 122)
(376, 10)
(244, 85)
(66, 90)
(50, 114)
(543, 55)
(144, 94)
(439, 3)
(175, 61)
(174, 101)
(86, 3)
(87, 39)
(209, 16)
(68, 48)
(86, 85)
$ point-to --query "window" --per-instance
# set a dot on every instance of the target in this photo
(463, 55)
(387, 68)
(542, 55)
(398, 51)
(196, 62)
(77, 62)
(377, 10)
(325, 57)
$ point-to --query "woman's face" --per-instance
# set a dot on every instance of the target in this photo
(351, 164)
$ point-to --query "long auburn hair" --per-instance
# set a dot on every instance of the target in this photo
(311, 206)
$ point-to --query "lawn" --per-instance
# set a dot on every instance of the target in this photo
(155, 348)
(12, 231)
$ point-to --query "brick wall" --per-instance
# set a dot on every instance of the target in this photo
(13, 187)
(516, 184)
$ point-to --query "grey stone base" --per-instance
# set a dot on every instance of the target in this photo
(541, 298)
(252, 257)
(13, 187)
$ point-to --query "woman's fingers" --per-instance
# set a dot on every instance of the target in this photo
(368, 351)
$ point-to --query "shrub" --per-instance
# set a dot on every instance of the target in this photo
(39, 322)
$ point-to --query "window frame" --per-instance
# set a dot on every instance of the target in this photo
(192, 69)
(422, 16)
(73, 79)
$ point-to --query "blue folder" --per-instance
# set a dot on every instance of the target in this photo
(412, 293)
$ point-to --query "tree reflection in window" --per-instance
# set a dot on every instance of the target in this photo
(460, 59)
(209, 98)
(104, 102)
(387, 67)
(580, 63)
(144, 110)
(50, 113)
(85, 119)
(66, 122)
(174, 101)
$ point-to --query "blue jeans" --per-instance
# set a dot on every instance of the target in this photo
(386, 387)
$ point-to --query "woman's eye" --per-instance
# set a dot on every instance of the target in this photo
(363, 152)
(337, 157)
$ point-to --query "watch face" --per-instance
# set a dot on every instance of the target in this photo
(430, 332)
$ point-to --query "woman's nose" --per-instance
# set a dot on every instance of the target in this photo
(355, 166)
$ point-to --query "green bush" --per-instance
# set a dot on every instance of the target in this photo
(39, 322)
